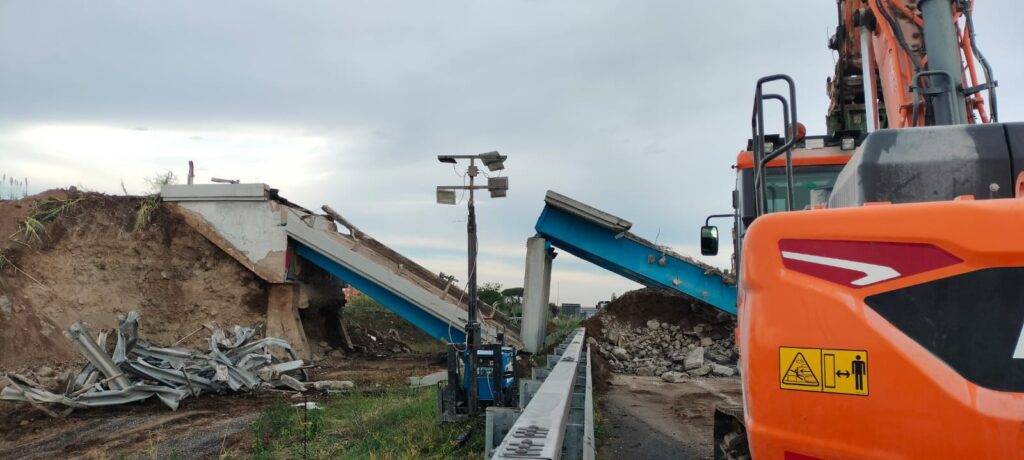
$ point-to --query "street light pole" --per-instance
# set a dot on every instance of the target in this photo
(498, 187)
(473, 326)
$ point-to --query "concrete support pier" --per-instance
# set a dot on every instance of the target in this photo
(536, 292)
(283, 318)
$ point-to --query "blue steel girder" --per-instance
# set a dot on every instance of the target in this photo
(437, 328)
(629, 257)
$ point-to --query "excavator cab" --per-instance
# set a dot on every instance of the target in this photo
(776, 173)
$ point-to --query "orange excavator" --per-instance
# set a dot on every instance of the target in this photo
(881, 272)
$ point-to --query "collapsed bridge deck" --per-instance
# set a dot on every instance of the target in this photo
(266, 233)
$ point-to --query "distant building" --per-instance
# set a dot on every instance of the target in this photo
(569, 309)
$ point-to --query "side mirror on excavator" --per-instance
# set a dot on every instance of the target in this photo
(709, 240)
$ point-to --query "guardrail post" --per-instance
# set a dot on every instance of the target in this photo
(499, 421)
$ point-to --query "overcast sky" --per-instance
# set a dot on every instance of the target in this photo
(637, 108)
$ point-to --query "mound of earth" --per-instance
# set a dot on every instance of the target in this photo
(654, 332)
(89, 263)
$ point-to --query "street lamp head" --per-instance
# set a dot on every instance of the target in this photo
(446, 159)
(498, 186)
(493, 160)
(445, 196)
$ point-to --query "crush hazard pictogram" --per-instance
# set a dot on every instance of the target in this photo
(800, 369)
(800, 373)
(824, 370)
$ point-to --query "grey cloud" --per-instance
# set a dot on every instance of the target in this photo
(636, 107)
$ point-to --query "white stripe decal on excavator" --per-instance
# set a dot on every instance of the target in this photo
(872, 273)
(1018, 353)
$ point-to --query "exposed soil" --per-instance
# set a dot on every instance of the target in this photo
(639, 306)
(90, 265)
(393, 371)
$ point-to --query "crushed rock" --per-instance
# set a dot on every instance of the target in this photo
(652, 332)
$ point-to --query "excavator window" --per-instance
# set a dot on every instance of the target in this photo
(811, 186)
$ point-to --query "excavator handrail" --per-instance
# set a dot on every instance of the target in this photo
(789, 151)
(757, 131)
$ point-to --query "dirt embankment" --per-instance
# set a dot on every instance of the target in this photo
(90, 263)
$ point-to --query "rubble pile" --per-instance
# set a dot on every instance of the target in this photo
(657, 332)
(666, 350)
(138, 370)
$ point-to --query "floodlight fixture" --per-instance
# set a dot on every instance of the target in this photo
(445, 196)
(494, 161)
(446, 159)
(498, 186)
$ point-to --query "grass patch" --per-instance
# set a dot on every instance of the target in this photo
(563, 327)
(144, 215)
(151, 203)
(32, 229)
(34, 226)
(400, 424)
(50, 210)
(361, 310)
(601, 430)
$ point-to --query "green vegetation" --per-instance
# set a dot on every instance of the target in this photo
(46, 211)
(144, 215)
(50, 209)
(361, 310)
(400, 424)
(363, 301)
(151, 203)
(563, 327)
(601, 430)
(32, 229)
(508, 301)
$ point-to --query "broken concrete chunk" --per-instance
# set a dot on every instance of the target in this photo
(720, 357)
(653, 324)
(334, 385)
(724, 371)
(694, 359)
(291, 382)
(620, 353)
(428, 380)
(673, 377)
(700, 371)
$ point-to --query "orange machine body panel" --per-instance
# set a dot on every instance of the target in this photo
(918, 406)
(801, 157)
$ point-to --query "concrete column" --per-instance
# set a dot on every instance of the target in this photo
(283, 319)
(536, 291)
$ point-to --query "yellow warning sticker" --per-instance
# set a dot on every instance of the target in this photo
(824, 370)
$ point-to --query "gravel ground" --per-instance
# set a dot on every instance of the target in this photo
(648, 418)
